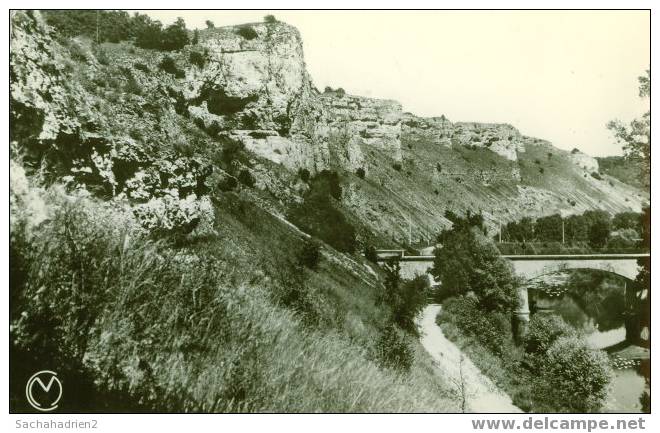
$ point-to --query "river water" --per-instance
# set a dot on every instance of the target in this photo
(603, 327)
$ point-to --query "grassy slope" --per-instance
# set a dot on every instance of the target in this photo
(246, 349)
(239, 348)
(622, 169)
(387, 199)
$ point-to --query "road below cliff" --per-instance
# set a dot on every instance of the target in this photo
(478, 391)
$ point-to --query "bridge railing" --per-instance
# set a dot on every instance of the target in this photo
(557, 248)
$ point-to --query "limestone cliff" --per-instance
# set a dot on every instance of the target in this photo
(584, 161)
(254, 85)
(503, 139)
(124, 121)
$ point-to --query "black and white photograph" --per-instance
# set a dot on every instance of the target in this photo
(286, 211)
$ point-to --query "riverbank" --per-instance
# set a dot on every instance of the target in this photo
(477, 392)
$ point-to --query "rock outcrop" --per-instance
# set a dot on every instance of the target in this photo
(503, 139)
(254, 86)
(584, 161)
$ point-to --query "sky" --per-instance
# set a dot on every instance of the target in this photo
(556, 75)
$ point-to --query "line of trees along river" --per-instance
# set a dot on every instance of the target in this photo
(554, 367)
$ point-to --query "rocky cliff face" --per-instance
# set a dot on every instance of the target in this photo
(254, 85)
(503, 139)
(123, 122)
(584, 161)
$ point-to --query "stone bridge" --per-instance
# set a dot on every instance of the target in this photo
(530, 267)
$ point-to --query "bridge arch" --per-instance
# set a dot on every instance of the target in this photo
(532, 268)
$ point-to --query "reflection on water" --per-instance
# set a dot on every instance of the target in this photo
(625, 390)
(598, 315)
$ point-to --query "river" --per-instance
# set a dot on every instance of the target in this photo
(602, 325)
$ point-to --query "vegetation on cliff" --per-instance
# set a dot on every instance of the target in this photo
(150, 281)
(551, 369)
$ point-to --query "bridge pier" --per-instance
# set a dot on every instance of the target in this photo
(521, 314)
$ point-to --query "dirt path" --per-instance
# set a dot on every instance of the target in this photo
(481, 394)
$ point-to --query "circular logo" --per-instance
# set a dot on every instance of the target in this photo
(47, 392)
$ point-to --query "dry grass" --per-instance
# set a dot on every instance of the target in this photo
(141, 326)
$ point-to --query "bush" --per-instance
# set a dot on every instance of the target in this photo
(370, 254)
(227, 183)
(247, 32)
(142, 67)
(310, 254)
(197, 58)
(174, 216)
(304, 174)
(102, 56)
(270, 19)
(397, 166)
(596, 175)
(574, 376)
(326, 183)
(492, 329)
(232, 150)
(360, 173)
(340, 92)
(293, 292)
(544, 330)
(169, 65)
(393, 351)
(404, 298)
(246, 178)
(625, 239)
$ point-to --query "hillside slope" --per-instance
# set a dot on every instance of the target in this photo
(153, 199)
(152, 264)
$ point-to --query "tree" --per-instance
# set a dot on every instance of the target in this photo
(209, 24)
(175, 36)
(405, 298)
(520, 231)
(627, 220)
(195, 39)
(599, 233)
(636, 138)
(643, 279)
(576, 228)
(148, 33)
(470, 262)
(270, 19)
(599, 226)
(549, 229)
